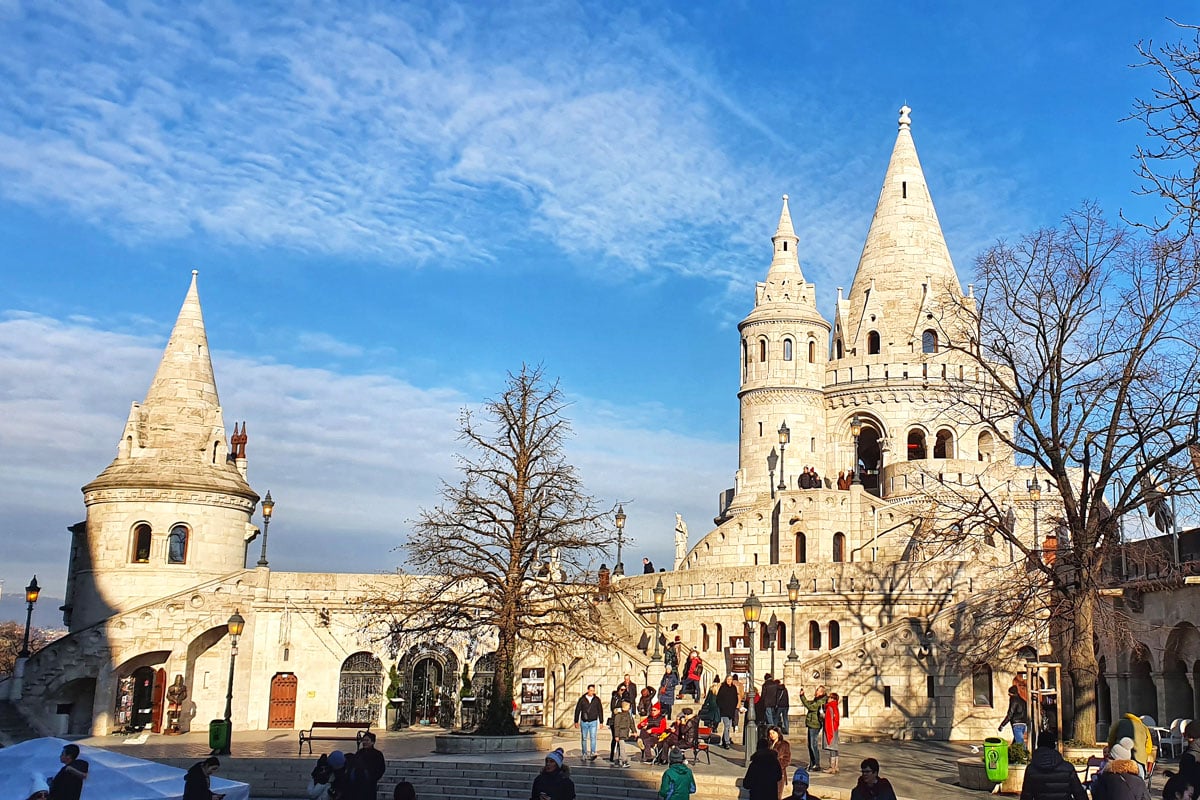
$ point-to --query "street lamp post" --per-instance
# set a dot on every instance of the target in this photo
(1035, 494)
(772, 463)
(31, 596)
(235, 625)
(785, 436)
(660, 594)
(751, 611)
(619, 569)
(772, 632)
(793, 587)
(855, 430)
(268, 508)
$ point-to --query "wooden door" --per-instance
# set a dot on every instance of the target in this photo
(156, 698)
(283, 701)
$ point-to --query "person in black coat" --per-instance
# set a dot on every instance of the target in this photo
(727, 703)
(553, 782)
(372, 762)
(68, 783)
(763, 774)
(1120, 781)
(196, 783)
(1018, 716)
(1049, 776)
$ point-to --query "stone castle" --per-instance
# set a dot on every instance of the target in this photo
(160, 563)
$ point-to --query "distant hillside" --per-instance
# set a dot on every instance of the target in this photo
(45, 613)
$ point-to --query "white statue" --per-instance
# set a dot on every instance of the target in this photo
(681, 537)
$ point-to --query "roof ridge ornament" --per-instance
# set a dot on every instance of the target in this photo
(905, 119)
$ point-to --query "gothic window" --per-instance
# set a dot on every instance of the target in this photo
(745, 358)
(801, 548)
(985, 446)
(177, 542)
(812, 352)
(929, 341)
(763, 641)
(916, 445)
(839, 547)
(835, 634)
(717, 630)
(873, 343)
(704, 643)
(141, 544)
(943, 445)
(781, 637)
(981, 685)
(814, 635)
(762, 349)
(787, 349)
(837, 348)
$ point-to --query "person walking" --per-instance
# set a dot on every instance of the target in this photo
(589, 713)
(666, 689)
(812, 721)
(783, 751)
(677, 781)
(196, 782)
(553, 782)
(783, 703)
(710, 711)
(1017, 716)
(763, 774)
(832, 724)
(693, 671)
(67, 784)
(728, 705)
(371, 762)
(1049, 776)
(623, 728)
(870, 786)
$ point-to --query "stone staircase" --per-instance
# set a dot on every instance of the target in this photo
(13, 727)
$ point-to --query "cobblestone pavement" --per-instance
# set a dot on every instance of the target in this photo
(925, 770)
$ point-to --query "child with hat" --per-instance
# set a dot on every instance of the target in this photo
(677, 781)
(553, 782)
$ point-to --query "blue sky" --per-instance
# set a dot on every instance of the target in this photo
(390, 205)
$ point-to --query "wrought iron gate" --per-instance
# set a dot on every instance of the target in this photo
(360, 691)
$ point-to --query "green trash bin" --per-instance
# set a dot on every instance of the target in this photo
(995, 759)
(218, 735)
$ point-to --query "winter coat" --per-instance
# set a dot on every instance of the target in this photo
(373, 763)
(667, 687)
(770, 692)
(1049, 777)
(556, 785)
(195, 783)
(1189, 761)
(622, 725)
(813, 718)
(782, 700)
(833, 722)
(1120, 782)
(318, 791)
(882, 790)
(1017, 712)
(727, 700)
(763, 776)
(695, 668)
(677, 782)
(589, 709)
(710, 712)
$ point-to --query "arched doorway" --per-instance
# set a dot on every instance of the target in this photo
(360, 689)
(141, 698)
(870, 457)
(427, 678)
(282, 709)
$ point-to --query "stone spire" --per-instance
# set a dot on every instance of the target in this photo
(176, 437)
(785, 262)
(905, 260)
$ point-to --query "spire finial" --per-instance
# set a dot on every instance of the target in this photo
(785, 198)
(905, 120)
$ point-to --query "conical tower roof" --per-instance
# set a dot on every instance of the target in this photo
(176, 438)
(905, 260)
(785, 262)
(785, 293)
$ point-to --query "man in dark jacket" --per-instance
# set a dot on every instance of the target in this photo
(870, 786)
(589, 713)
(1049, 776)
(68, 783)
(727, 702)
(782, 703)
(372, 762)
(1189, 760)
(768, 695)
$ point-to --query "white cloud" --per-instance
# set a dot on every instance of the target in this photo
(349, 458)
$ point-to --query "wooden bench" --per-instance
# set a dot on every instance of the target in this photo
(333, 732)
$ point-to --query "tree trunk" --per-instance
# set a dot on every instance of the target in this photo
(1082, 669)
(498, 720)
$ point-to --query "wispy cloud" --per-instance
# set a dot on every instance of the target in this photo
(349, 458)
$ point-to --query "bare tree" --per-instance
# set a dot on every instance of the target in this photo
(509, 551)
(12, 637)
(1088, 358)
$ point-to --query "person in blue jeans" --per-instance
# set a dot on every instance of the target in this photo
(589, 713)
(1017, 716)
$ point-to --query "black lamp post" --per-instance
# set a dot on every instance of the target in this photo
(619, 569)
(660, 594)
(785, 436)
(235, 626)
(793, 587)
(855, 430)
(772, 632)
(268, 508)
(1035, 494)
(772, 463)
(751, 611)
(31, 596)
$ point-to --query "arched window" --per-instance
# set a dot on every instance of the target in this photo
(986, 446)
(177, 542)
(812, 352)
(814, 635)
(837, 348)
(720, 643)
(763, 641)
(762, 349)
(873, 343)
(839, 547)
(781, 637)
(141, 544)
(704, 643)
(943, 445)
(916, 445)
(981, 685)
(801, 548)
(835, 634)
(787, 349)
(929, 341)
(745, 358)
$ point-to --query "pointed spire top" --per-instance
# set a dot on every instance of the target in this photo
(785, 222)
(185, 380)
(785, 261)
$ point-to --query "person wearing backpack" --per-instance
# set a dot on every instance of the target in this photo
(678, 782)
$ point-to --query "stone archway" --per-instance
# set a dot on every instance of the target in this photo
(1143, 695)
(1181, 657)
(432, 695)
(141, 683)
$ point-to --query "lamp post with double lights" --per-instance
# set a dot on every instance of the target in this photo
(268, 508)
(660, 594)
(855, 431)
(751, 611)
(31, 596)
(235, 626)
(619, 569)
(785, 436)
(793, 587)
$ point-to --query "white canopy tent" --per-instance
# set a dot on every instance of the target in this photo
(28, 766)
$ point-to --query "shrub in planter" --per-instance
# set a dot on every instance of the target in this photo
(1018, 754)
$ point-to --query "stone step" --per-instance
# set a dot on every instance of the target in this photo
(13, 727)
